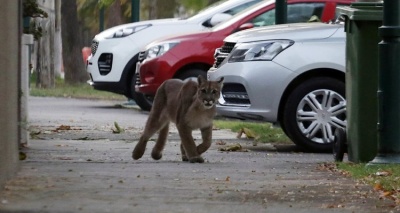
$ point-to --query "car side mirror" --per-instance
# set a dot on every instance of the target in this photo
(219, 17)
(245, 26)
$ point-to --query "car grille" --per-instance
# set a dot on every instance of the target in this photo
(95, 45)
(235, 94)
(222, 53)
(105, 63)
(141, 56)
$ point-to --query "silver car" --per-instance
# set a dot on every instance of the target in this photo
(292, 75)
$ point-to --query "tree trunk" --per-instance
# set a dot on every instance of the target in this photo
(152, 9)
(57, 40)
(167, 8)
(72, 44)
(45, 50)
(114, 16)
(161, 9)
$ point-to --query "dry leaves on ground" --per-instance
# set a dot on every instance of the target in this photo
(65, 128)
(233, 148)
(247, 132)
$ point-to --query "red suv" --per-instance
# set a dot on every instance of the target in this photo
(190, 55)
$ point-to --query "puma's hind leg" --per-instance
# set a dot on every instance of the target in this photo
(140, 147)
(156, 154)
(154, 123)
(183, 154)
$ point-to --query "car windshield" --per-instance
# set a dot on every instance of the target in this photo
(242, 14)
(206, 9)
(211, 9)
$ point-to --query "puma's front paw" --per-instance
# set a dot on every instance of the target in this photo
(184, 158)
(198, 159)
(137, 153)
(156, 155)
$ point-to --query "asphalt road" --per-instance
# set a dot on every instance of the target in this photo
(75, 163)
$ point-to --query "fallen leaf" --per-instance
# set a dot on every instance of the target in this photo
(383, 173)
(117, 129)
(378, 186)
(62, 127)
(386, 193)
(232, 148)
(22, 156)
(65, 158)
(34, 134)
(220, 142)
(248, 132)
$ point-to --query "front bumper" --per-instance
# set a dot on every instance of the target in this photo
(115, 87)
(107, 63)
(252, 90)
(152, 73)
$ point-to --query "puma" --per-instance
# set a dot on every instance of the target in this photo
(190, 105)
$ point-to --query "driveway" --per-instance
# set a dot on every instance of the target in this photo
(75, 163)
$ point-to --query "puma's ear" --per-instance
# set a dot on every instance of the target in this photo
(201, 79)
(221, 80)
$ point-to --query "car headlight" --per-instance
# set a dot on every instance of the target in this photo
(258, 51)
(159, 49)
(128, 31)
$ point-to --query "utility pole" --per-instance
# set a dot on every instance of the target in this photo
(135, 10)
(388, 86)
(281, 12)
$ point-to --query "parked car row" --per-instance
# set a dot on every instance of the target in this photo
(112, 64)
(189, 55)
(291, 75)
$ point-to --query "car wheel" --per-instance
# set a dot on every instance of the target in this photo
(192, 74)
(313, 111)
(130, 92)
(145, 102)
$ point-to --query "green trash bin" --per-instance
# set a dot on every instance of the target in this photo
(362, 21)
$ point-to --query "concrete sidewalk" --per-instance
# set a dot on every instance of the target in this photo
(89, 169)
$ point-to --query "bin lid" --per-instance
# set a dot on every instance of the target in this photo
(363, 11)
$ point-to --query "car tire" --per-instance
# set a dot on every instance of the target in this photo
(192, 74)
(313, 111)
(145, 102)
(130, 92)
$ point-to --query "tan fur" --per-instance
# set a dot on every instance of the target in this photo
(190, 106)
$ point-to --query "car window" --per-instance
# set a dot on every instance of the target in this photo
(239, 8)
(301, 12)
(304, 11)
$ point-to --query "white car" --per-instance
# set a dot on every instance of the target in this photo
(114, 52)
(293, 75)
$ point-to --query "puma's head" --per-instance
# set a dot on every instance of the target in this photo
(208, 91)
